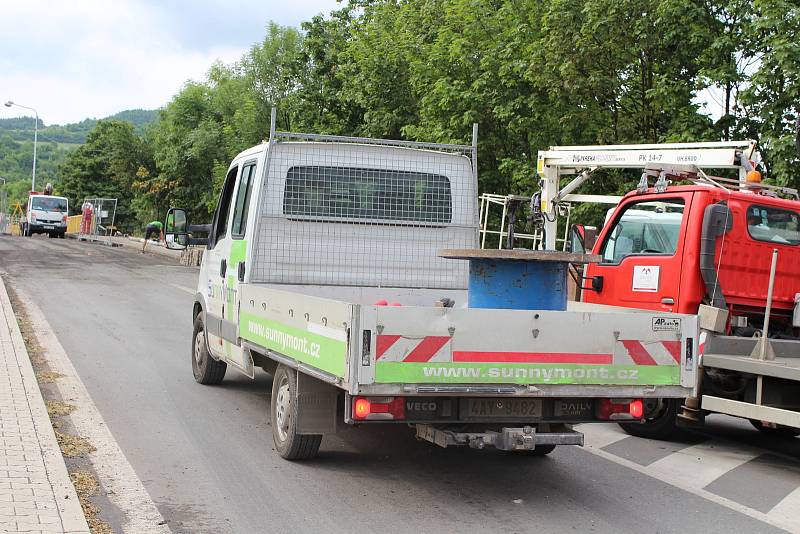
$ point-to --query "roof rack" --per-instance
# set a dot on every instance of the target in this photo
(470, 151)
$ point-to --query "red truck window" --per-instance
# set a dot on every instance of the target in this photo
(645, 228)
(773, 225)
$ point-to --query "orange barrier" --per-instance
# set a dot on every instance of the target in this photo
(74, 224)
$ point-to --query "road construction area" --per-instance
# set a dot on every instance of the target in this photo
(203, 453)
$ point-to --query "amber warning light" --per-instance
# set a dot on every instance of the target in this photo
(753, 177)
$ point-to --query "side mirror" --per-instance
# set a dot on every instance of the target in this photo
(590, 234)
(176, 235)
(582, 238)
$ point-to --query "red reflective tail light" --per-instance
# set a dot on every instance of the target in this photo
(636, 409)
(361, 408)
(620, 409)
(378, 408)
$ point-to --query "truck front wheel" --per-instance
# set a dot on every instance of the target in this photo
(662, 426)
(206, 369)
(283, 415)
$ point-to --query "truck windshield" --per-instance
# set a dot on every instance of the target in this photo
(49, 204)
(645, 228)
(359, 193)
(773, 225)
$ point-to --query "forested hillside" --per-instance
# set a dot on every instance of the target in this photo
(55, 143)
(531, 73)
(21, 128)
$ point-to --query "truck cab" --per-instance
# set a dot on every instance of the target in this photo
(651, 250)
(45, 214)
(690, 241)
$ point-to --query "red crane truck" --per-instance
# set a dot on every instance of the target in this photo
(726, 249)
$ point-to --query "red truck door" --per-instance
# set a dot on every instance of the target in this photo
(642, 249)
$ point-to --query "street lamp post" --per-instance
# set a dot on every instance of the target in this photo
(35, 138)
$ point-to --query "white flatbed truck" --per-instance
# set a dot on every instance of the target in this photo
(323, 268)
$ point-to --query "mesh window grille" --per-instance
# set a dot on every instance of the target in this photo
(376, 194)
(364, 213)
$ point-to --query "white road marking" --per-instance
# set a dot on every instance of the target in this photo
(788, 509)
(599, 435)
(116, 474)
(679, 471)
(702, 464)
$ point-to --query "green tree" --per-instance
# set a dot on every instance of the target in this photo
(106, 167)
(771, 101)
(200, 131)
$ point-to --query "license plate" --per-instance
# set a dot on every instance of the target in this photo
(505, 408)
(48, 226)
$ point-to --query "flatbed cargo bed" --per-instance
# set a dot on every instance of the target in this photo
(368, 349)
(779, 402)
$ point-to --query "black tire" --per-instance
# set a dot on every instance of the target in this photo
(781, 432)
(206, 369)
(283, 416)
(662, 427)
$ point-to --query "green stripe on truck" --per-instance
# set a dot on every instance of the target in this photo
(317, 350)
(504, 373)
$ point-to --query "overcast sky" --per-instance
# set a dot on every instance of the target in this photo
(75, 59)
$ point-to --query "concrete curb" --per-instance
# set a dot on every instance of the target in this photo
(69, 509)
(122, 486)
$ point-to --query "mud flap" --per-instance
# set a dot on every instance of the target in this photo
(316, 406)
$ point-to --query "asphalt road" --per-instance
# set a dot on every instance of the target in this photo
(204, 453)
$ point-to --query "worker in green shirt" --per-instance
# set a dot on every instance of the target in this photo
(153, 228)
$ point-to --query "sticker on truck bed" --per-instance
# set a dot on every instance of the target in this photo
(495, 373)
(666, 324)
(322, 351)
(433, 359)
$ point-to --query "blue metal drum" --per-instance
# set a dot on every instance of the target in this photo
(518, 284)
(518, 279)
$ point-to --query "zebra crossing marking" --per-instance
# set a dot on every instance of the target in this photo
(702, 464)
(694, 468)
(788, 508)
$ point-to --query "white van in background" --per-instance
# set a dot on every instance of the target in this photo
(46, 214)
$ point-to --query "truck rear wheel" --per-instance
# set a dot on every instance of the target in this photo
(283, 416)
(206, 369)
(663, 426)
